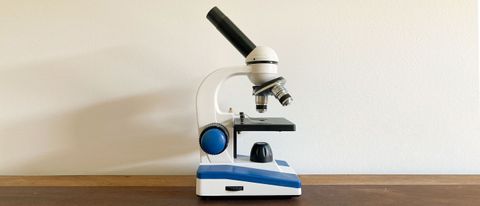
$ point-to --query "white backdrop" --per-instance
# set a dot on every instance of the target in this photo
(108, 87)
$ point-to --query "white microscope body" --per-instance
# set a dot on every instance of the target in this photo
(221, 171)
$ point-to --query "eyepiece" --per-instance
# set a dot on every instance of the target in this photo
(233, 34)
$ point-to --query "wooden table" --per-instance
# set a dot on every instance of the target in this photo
(363, 191)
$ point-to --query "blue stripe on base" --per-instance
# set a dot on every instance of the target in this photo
(248, 175)
(282, 163)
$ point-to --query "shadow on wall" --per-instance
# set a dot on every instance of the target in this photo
(142, 133)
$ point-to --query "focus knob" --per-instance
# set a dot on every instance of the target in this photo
(214, 139)
(261, 152)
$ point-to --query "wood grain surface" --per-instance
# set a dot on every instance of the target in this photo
(422, 190)
(179, 180)
(411, 195)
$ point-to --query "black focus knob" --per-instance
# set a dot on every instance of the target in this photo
(261, 152)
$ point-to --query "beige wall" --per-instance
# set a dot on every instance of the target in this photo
(108, 87)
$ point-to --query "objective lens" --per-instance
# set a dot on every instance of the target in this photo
(282, 95)
(261, 101)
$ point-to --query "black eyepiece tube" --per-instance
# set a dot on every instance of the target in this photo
(230, 31)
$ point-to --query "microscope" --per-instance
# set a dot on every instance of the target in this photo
(223, 172)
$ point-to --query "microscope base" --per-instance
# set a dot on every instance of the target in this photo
(247, 179)
(216, 187)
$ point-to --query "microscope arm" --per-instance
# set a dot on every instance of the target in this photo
(208, 110)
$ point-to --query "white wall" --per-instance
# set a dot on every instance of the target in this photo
(108, 87)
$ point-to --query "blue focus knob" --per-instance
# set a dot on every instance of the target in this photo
(214, 140)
